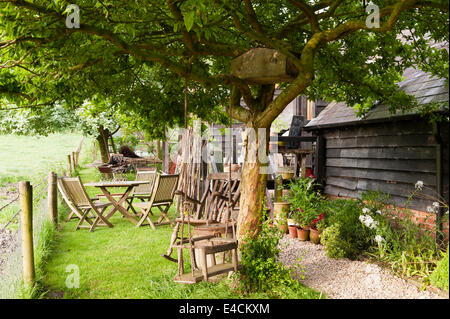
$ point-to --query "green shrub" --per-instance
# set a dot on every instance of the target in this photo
(262, 272)
(344, 234)
(439, 277)
(335, 247)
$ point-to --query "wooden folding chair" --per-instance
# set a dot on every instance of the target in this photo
(81, 205)
(67, 199)
(142, 192)
(162, 197)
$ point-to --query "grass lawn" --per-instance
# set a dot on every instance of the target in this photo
(28, 156)
(123, 262)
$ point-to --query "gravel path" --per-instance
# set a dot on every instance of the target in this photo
(347, 279)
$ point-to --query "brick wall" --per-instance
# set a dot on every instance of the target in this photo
(424, 219)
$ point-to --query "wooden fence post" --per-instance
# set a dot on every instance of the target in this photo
(52, 198)
(70, 165)
(26, 220)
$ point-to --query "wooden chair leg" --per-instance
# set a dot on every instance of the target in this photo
(82, 219)
(173, 240)
(130, 206)
(100, 220)
(151, 223)
(213, 259)
(180, 262)
(204, 264)
(94, 224)
(70, 216)
(145, 213)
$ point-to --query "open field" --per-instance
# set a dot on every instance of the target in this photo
(29, 156)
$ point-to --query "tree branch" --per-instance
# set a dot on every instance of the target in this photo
(252, 16)
(309, 13)
(238, 112)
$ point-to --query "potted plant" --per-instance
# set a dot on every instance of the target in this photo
(314, 233)
(286, 173)
(304, 197)
(304, 218)
(292, 225)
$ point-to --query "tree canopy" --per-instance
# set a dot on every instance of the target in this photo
(136, 55)
(134, 52)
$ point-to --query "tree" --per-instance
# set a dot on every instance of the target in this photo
(328, 42)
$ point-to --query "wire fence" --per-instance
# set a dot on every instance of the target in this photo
(11, 237)
(10, 240)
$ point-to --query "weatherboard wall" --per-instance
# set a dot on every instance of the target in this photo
(388, 156)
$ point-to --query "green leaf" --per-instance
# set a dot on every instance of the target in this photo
(189, 20)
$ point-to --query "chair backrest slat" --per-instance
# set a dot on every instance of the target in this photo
(76, 190)
(65, 195)
(165, 187)
(145, 189)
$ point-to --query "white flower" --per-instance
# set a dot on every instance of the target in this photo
(379, 212)
(368, 221)
(379, 239)
(430, 209)
(419, 185)
(436, 204)
(365, 210)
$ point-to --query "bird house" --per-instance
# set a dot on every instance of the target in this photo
(263, 66)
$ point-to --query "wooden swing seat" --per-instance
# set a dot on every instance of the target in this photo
(211, 247)
(214, 270)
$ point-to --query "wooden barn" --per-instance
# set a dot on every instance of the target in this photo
(385, 151)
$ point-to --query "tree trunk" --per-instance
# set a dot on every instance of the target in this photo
(102, 144)
(253, 184)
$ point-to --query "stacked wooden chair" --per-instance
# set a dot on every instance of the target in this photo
(81, 205)
(161, 197)
(213, 220)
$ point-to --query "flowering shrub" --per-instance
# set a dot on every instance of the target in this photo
(397, 241)
(344, 235)
(316, 222)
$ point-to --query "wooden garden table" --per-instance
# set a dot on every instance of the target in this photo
(117, 204)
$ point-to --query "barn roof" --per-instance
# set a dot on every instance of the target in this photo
(422, 86)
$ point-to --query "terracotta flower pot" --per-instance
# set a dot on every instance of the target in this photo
(292, 231)
(302, 234)
(314, 236)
